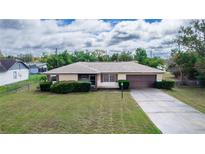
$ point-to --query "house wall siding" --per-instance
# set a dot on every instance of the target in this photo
(8, 78)
(121, 76)
(33, 70)
(105, 84)
(68, 77)
(159, 77)
(18, 65)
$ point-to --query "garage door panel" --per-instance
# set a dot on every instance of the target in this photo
(140, 81)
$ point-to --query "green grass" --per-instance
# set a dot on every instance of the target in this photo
(92, 112)
(192, 96)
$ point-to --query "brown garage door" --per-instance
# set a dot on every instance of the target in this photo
(140, 81)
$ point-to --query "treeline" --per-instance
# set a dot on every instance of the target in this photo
(188, 60)
(24, 57)
(64, 58)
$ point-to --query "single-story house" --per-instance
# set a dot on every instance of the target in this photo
(36, 68)
(106, 74)
(12, 71)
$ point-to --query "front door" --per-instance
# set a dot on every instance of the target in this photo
(93, 80)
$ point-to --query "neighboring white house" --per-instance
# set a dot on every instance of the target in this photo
(12, 71)
(36, 68)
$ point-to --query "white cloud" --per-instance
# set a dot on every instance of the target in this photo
(39, 35)
(157, 36)
(90, 26)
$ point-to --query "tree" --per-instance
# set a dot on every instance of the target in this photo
(155, 62)
(200, 65)
(140, 55)
(115, 57)
(1, 55)
(64, 58)
(26, 57)
(104, 58)
(183, 64)
(125, 56)
(192, 37)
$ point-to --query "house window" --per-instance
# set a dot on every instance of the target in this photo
(83, 77)
(53, 77)
(109, 77)
(15, 75)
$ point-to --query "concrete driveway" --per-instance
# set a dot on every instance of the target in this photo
(170, 115)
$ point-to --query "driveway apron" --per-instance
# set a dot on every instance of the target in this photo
(169, 114)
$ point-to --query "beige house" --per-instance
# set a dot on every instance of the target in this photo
(106, 74)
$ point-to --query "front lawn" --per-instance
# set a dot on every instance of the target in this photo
(192, 96)
(93, 112)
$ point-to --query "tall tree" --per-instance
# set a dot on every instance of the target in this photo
(192, 37)
(114, 57)
(140, 55)
(26, 57)
(183, 64)
(125, 56)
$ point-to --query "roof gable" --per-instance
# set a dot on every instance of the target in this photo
(5, 65)
(18, 65)
(2, 69)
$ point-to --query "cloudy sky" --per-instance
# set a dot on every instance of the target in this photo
(36, 36)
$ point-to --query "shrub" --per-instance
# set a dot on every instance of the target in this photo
(201, 80)
(164, 84)
(125, 84)
(64, 87)
(82, 86)
(45, 86)
(43, 78)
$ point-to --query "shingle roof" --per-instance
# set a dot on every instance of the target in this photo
(34, 65)
(6, 64)
(2, 69)
(104, 67)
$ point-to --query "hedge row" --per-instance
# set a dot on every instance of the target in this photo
(201, 80)
(45, 86)
(164, 84)
(64, 87)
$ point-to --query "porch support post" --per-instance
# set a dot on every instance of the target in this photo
(49, 77)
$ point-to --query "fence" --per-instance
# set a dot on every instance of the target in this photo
(194, 83)
(17, 88)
